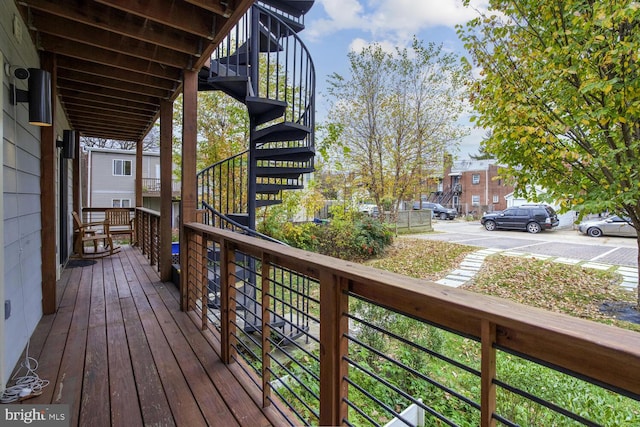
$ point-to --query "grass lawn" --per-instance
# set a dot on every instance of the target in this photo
(422, 259)
(568, 289)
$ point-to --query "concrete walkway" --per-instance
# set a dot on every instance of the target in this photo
(472, 263)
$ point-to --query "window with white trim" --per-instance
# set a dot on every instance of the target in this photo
(475, 178)
(121, 167)
(120, 203)
(495, 198)
(475, 200)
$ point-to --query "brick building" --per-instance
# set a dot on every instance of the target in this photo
(472, 186)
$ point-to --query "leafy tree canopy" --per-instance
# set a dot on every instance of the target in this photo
(394, 115)
(560, 88)
(151, 142)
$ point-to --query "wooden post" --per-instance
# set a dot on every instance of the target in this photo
(139, 173)
(333, 346)
(77, 182)
(189, 151)
(48, 161)
(166, 187)
(488, 373)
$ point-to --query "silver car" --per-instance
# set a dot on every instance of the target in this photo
(610, 226)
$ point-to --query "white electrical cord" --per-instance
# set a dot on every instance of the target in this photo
(25, 385)
(30, 383)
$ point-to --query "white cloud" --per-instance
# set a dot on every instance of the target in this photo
(358, 44)
(393, 19)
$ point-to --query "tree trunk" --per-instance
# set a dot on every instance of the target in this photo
(638, 266)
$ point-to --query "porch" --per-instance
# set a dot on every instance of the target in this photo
(263, 334)
(120, 352)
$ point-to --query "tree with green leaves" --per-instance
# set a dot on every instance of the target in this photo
(223, 127)
(482, 152)
(396, 114)
(560, 89)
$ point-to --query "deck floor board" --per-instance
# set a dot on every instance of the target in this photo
(120, 352)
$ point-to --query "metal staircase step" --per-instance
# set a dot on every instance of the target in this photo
(261, 203)
(296, 8)
(295, 154)
(285, 131)
(289, 173)
(282, 30)
(264, 110)
(235, 87)
(276, 188)
(232, 70)
(240, 218)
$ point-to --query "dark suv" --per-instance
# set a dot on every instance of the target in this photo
(532, 218)
(438, 210)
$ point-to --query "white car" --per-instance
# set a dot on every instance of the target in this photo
(369, 209)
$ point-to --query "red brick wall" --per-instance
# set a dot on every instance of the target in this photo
(496, 187)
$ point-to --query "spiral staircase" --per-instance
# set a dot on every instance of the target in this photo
(263, 64)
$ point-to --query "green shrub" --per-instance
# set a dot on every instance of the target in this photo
(356, 240)
(349, 235)
(303, 236)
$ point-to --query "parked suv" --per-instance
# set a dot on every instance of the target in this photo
(532, 218)
(438, 210)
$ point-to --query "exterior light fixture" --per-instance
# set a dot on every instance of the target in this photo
(68, 144)
(38, 96)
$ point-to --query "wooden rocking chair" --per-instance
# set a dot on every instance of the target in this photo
(93, 233)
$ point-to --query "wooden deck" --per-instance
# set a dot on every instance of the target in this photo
(120, 352)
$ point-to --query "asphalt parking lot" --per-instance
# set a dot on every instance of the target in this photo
(566, 243)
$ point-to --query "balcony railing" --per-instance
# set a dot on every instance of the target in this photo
(328, 342)
(148, 234)
(152, 186)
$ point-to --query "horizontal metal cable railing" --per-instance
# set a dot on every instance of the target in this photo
(327, 342)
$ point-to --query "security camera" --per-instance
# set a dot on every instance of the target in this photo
(19, 73)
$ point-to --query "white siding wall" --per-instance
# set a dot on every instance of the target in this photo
(150, 166)
(105, 186)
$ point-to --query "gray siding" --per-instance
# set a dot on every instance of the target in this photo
(20, 209)
(104, 186)
(20, 206)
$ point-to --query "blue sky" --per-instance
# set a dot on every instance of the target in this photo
(333, 27)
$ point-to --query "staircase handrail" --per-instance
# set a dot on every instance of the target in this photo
(220, 162)
(301, 71)
(297, 19)
(244, 228)
(312, 70)
(228, 159)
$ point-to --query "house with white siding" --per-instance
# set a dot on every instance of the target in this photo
(111, 179)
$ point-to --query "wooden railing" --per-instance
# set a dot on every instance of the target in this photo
(329, 342)
(147, 226)
(152, 186)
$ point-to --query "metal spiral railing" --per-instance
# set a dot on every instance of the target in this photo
(285, 72)
(213, 216)
(278, 87)
(223, 186)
